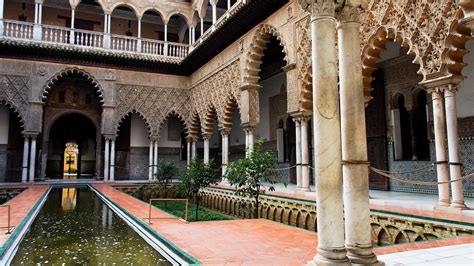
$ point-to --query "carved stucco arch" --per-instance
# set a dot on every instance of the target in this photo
(195, 125)
(181, 117)
(256, 51)
(16, 110)
(210, 117)
(371, 54)
(122, 118)
(74, 70)
(430, 30)
(230, 105)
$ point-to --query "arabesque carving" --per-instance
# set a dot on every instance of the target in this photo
(14, 93)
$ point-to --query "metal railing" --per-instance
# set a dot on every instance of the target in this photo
(156, 218)
(8, 227)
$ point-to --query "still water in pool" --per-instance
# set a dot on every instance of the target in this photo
(76, 227)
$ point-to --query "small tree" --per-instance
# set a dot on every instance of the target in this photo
(164, 174)
(249, 174)
(198, 176)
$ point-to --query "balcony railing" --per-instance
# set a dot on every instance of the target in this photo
(90, 39)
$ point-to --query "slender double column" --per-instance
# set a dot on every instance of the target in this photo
(37, 32)
(453, 147)
(155, 157)
(150, 160)
(193, 148)
(297, 121)
(326, 129)
(107, 38)
(71, 36)
(26, 151)
(109, 158)
(354, 140)
(189, 141)
(305, 181)
(1, 16)
(206, 138)
(249, 139)
(225, 132)
(166, 37)
(440, 145)
(139, 35)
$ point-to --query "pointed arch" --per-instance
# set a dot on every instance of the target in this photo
(371, 53)
(227, 117)
(123, 117)
(68, 71)
(15, 109)
(179, 116)
(255, 54)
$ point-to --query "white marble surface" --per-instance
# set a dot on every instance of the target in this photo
(450, 255)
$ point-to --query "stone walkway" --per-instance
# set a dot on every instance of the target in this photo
(450, 255)
(247, 242)
(20, 206)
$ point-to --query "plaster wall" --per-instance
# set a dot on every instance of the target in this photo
(270, 87)
(138, 132)
(4, 124)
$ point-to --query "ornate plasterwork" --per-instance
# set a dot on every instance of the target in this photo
(216, 93)
(303, 62)
(72, 70)
(152, 104)
(14, 93)
(256, 50)
(429, 29)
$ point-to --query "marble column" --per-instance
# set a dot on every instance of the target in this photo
(214, 12)
(32, 168)
(139, 35)
(225, 149)
(1, 16)
(107, 41)
(26, 150)
(206, 138)
(188, 150)
(112, 160)
(106, 159)
(202, 26)
(37, 30)
(193, 148)
(150, 161)
(453, 146)
(440, 146)
(354, 140)
(165, 48)
(249, 139)
(155, 158)
(298, 152)
(305, 180)
(326, 129)
(71, 34)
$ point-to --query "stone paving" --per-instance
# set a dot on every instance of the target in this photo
(20, 206)
(247, 242)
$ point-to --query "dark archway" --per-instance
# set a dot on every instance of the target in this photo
(72, 128)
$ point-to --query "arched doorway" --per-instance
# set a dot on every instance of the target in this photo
(72, 147)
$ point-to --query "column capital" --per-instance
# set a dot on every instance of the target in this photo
(191, 138)
(350, 13)
(32, 135)
(225, 131)
(301, 116)
(206, 136)
(249, 128)
(320, 8)
(249, 87)
(110, 136)
(154, 137)
(440, 84)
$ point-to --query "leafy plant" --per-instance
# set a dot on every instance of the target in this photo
(198, 176)
(166, 171)
(249, 174)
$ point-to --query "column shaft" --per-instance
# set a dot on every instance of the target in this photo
(327, 143)
(305, 182)
(225, 152)
(440, 146)
(106, 160)
(188, 152)
(354, 142)
(32, 160)
(202, 26)
(453, 148)
(206, 149)
(71, 36)
(193, 149)
(214, 14)
(26, 149)
(150, 161)
(155, 158)
(112, 160)
(298, 153)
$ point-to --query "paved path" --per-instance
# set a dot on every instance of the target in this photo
(20, 206)
(247, 242)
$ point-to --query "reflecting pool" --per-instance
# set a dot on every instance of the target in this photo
(76, 227)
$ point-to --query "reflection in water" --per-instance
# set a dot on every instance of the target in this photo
(89, 234)
(68, 199)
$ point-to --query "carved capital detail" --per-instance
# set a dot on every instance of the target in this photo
(349, 14)
(319, 8)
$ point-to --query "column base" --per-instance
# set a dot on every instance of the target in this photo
(442, 205)
(458, 206)
(334, 256)
(362, 255)
(302, 190)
